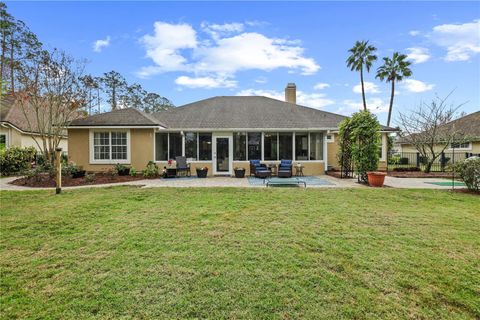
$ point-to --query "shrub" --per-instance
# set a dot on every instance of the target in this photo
(111, 173)
(365, 138)
(469, 171)
(90, 177)
(69, 169)
(16, 160)
(133, 172)
(151, 171)
(35, 173)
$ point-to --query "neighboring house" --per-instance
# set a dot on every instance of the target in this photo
(15, 129)
(220, 133)
(468, 133)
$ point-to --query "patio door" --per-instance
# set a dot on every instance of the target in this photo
(222, 155)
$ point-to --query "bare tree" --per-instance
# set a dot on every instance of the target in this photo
(53, 95)
(428, 129)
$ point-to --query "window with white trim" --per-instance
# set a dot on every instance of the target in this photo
(110, 145)
(460, 145)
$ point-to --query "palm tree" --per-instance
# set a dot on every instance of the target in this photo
(392, 70)
(361, 54)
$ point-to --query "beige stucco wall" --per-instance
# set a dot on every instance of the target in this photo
(410, 148)
(23, 140)
(141, 149)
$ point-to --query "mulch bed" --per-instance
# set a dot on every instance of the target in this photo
(45, 181)
(419, 174)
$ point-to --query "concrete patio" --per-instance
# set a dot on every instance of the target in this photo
(193, 182)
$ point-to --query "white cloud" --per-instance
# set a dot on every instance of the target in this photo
(416, 85)
(418, 55)
(312, 100)
(218, 30)
(462, 41)
(252, 50)
(100, 44)
(205, 82)
(370, 87)
(164, 47)
(414, 33)
(226, 50)
(321, 86)
(375, 105)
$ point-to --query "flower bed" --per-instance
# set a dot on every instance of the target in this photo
(45, 181)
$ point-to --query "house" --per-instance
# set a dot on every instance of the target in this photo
(468, 133)
(15, 129)
(220, 133)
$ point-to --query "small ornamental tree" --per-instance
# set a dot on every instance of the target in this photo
(365, 137)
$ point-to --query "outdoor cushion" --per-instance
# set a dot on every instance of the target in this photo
(255, 162)
(285, 163)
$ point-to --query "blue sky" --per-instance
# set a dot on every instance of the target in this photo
(188, 51)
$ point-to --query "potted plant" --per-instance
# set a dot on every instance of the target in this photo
(122, 170)
(202, 172)
(376, 178)
(239, 172)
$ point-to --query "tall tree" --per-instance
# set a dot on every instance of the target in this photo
(394, 69)
(18, 44)
(154, 102)
(92, 85)
(115, 86)
(133, 97)
(361, 56)
(53, 95)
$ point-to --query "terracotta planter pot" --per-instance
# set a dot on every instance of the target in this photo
(376, 179)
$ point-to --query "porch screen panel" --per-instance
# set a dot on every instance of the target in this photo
(270, 145)
(239, 146)
(191, 145)
(301, 146)
(175, 149)
(204, 146)
(285, 145)
(254, 146)
(316, 146)
(161, 146)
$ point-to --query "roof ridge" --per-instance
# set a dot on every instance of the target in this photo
(149, 117)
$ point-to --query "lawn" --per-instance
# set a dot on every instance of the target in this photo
(124, 252)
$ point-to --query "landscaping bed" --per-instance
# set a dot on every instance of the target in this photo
(45, 181)
(419, 174)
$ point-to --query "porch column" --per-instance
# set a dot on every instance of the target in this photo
(325, 151)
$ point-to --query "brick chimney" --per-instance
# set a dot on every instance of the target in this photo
(291, 93)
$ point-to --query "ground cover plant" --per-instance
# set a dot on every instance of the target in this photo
(125, 252)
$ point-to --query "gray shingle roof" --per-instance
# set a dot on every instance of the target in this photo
(226, 112)
(121, 117)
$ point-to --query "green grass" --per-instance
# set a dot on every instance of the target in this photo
(214, 253)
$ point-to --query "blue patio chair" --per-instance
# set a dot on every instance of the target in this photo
(285, 169)
(255, 166)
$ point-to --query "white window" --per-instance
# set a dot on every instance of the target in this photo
(460, 145)
(109, 146)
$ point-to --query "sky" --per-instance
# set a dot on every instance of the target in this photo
(188, 51)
